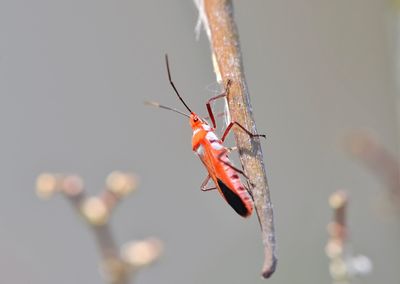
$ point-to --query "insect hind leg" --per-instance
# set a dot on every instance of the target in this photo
(249, 184)
(236, 169)
(230, 165)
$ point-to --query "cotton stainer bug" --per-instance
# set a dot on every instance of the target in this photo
(215, 156)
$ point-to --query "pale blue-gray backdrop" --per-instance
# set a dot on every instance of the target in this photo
(73, 78)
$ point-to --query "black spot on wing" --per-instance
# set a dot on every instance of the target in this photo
(234, 176)
(233, 199)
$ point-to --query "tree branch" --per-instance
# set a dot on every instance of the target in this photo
(217, 18)
(116, 267)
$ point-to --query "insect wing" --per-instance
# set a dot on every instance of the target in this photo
(233, 199)
(228, 193)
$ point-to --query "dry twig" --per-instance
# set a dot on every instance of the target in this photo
(337, 229)
(117, 266)
(343, 264)
(217, 19)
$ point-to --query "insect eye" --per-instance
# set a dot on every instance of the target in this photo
(195, 119)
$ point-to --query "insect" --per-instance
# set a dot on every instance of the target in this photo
(214, 154)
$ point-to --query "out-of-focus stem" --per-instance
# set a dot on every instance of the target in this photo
(344, 266)
(335, 248)
(117, 267)
(363, 146)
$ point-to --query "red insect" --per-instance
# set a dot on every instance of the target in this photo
(215, 156)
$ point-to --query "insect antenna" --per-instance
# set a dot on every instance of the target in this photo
(173, 85)
(166, 107)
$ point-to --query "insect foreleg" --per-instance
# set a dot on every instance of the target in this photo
(208, 104)
(221, 114)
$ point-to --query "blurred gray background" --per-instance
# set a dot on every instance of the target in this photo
(73, 78)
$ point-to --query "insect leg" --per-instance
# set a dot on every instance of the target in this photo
(208, 104)
(229, 165)
(204, 184)
(230, 149)
(248, 189)
(229, 127)
(220, 114)
(234, 168)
